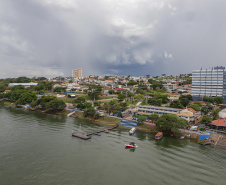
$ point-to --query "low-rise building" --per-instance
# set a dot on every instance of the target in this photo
(147, 110)
(218, 124)
(23, 84)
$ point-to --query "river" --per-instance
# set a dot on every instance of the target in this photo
(38, 149)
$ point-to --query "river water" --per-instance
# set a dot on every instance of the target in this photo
(38, 149)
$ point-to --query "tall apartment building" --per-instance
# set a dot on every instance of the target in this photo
(77, 73)
(209, 82)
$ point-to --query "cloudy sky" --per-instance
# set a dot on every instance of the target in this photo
(123, 37)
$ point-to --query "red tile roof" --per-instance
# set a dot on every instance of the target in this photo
(192, 110)
(118, 89)
(171, 93)
(220, 122)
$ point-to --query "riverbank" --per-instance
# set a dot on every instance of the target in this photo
(110, 121)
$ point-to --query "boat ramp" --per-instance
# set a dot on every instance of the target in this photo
(88, 135)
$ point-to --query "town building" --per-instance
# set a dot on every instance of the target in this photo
(147, 110)
(218, 124)
(23, 84)
(209, 82)
(170, 87)
(77, 73)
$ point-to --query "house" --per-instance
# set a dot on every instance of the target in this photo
(189, 114)
(186, 115)
(218, 124)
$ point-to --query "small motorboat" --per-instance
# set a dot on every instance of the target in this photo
(132, 130)
(131, 145)
(158, 135)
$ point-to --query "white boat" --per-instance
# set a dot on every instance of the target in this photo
(132, 130)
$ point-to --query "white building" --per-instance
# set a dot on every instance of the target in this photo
(170, 87)
(23, 84)
(209, 82)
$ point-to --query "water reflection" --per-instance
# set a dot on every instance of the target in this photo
(171, 142)
(141, 135)
(49, 120)
(131, 149)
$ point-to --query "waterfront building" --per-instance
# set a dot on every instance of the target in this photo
(209, 82)
(77, 73)
(147, 110)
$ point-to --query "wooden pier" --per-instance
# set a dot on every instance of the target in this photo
(88, 135)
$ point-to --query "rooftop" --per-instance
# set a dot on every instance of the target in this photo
(220, 122)
(186, 114)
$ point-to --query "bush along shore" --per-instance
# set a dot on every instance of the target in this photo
(80, 115)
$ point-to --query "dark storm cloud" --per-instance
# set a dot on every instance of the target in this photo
(136, 37)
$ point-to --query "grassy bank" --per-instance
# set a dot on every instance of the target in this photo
(147, 128)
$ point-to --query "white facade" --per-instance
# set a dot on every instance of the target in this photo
(170, 87)
(209, 82)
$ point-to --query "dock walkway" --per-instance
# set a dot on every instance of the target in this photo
(88, 135)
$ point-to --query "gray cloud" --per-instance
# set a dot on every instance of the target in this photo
(124, 37)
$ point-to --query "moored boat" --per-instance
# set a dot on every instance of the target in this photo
(131, 145)
(132, 130)
(158, 135)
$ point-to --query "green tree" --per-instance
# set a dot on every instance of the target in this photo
(170, 122)
(141, 118)
(204, 109)
(211, 99)
(94, 91)
(205, 99)
(176, 104)
(23, 79)
(59, 89)
(153, 117)
(218, 100)
(118, 92)
(130, 94)
(184, 101)
(195, 107)
(55, 105)
(111, 91)
(18, 87)
(131, 83)
(206, 120)
(209, 106)
(123, 106)
(80, 99)
(97, 104)
(26, 97)
(140, 91)
(154, 101)
(215, 113)
(121, 96)
(43, 101)
(139, 97)
(89, 112)
(2, 88)
(96, 115)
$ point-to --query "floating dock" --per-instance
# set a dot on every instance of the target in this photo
(88, 135)
(81, 136)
